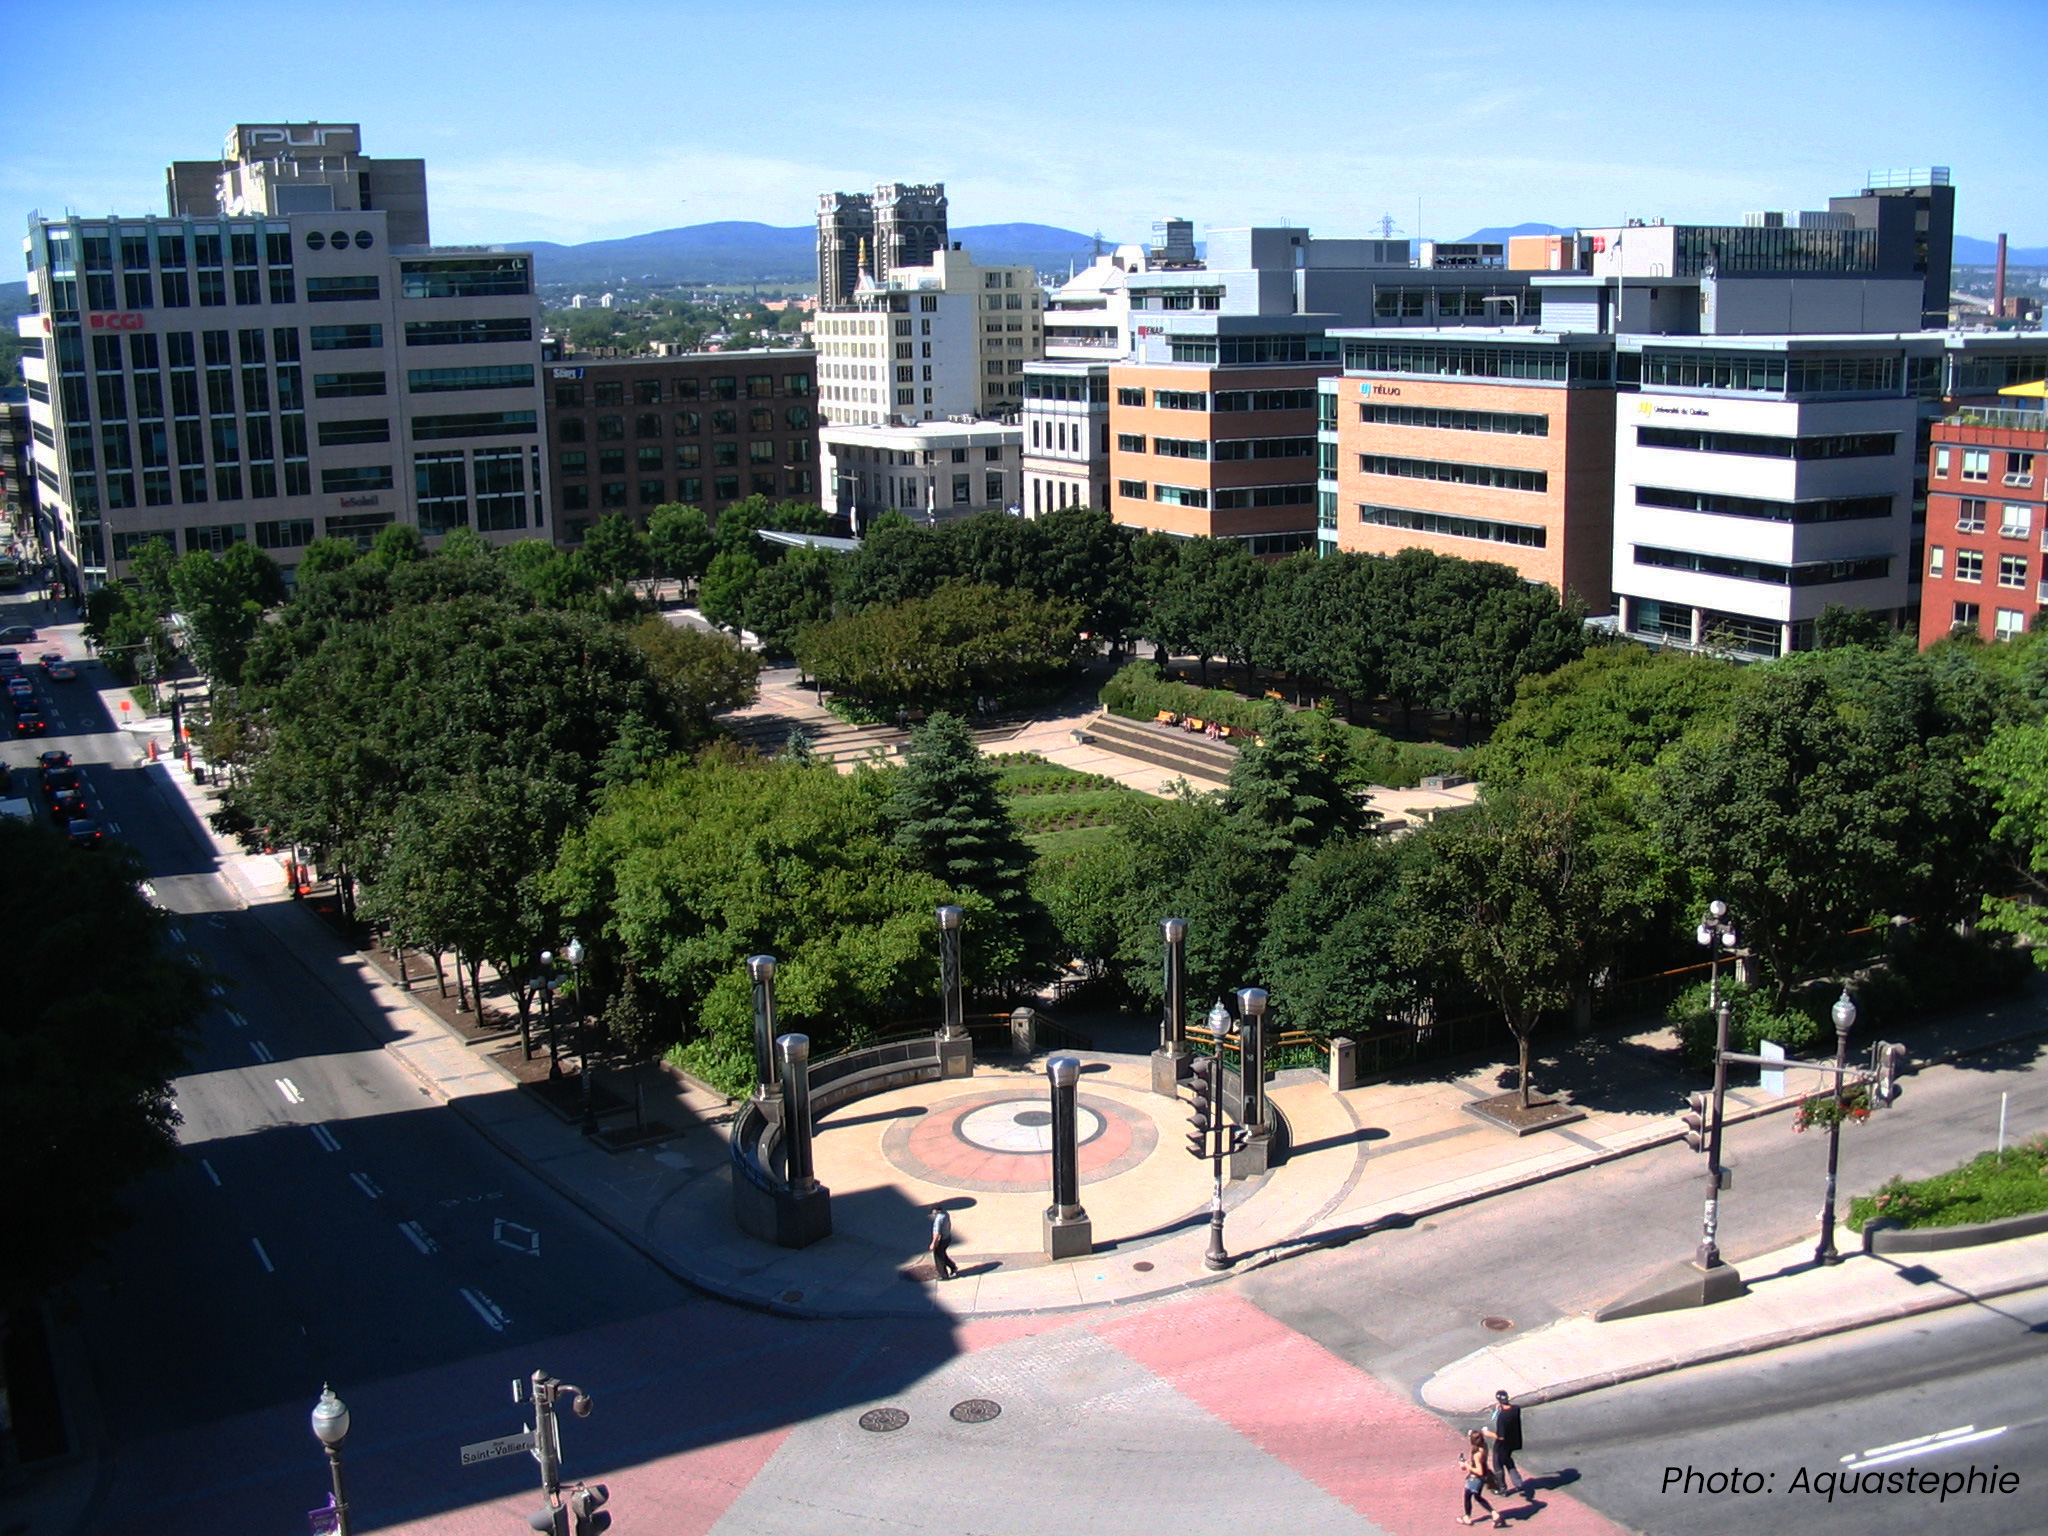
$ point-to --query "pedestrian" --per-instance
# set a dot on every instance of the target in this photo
(1478, 1478)
(942, 1239)
(1503, 1439)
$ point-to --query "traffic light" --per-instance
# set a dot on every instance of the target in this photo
(1697, 1109)
(1238, 1140)
(1201, 1105)
(587, 1505)
(1891, 1061)
(547, 1520)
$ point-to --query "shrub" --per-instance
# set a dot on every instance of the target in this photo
(1931, 968)
(1989, 1187)
(1799, 1027)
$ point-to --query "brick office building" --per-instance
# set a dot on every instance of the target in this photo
(706, 429)
(1987, 521)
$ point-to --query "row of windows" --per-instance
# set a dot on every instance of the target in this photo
(759, 386)
(1974, 464)
(1840, 445)
(1528, 535)
(1765, 373)
(1064, 437)
(1819, 573)
(423, 381)
(2011, 622)
(1514, 423)
(1227, 351)
(1092, 391)
(1834, 509)
(1524, 304)
(1266, 496)
(1471, 360)
(1497, 476)
(1232, 448)
(2016, 518)
(1226, 399)
(612, 461)
(689, 489)
(577, 429)
(2012, 569)
(97, 251)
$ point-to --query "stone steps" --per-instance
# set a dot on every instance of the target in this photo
(1164, 747)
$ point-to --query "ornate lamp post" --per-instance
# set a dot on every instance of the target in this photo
(547, 1008)
(1717, 932)
(1844, 1015)
(575, 954)
(330, 1428)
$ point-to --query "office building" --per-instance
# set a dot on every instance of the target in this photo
(874, 234)
(703, 428)
(1484, 444)
(276, 376)
(287, 168)
(1987, 518)
(17, 467)
(930, 471)
(1066, 436)
(928, 342)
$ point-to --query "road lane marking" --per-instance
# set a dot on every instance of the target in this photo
(177, 935)
(510, 1234)
(195, 957)
(235, 1018)
(362, 1182)
(215, 989)
(486, 1309)
(417, 1235)
(114, 828)
(210, 1173)
(325, 1137)
(262, 1053)
(1901, 1450)
(290, 1090)
(268, 1267)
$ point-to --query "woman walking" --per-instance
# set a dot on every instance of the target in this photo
(1478, 1477)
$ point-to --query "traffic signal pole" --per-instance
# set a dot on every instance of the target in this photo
(1709, 1256)
(1218, 1257)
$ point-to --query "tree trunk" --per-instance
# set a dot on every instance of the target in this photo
(476, 988)
(1522, 1041)
(404, 975)
(461, 992)
(440, 974)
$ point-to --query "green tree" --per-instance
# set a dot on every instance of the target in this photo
(2013, 769)
(788, 594)
(397, 544)
(961, 641)
(325, 555)
(222, 599)
(728, 583)
(1332, 948)
(617, 551)
(1838, 626)
(699, 674)
(950, 822)
(1190, 858)
(150, 569)
(1617, 709)
(679, 542)
(99, 1020)
(1298, 785)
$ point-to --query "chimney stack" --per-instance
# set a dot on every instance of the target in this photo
(1998, 283)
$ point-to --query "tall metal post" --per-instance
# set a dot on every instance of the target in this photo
(1716, 932)
(796, 1112)
(1067, 1229)
(952, 1017)
(1845, 1020)
(762, 969)
(1251, 1013)
(1170, 1061)
(330, 1428)
(544, 1435)
(1218, 1257)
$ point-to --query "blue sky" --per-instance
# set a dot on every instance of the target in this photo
(610, 117)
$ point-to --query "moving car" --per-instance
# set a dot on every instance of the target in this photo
(21, 688)
(68, 805)
(56, 668)
(30, 724)
(54, 758)
(84, 834)
(17, 634)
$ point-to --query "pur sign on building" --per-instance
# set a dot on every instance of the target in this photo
(265, 141)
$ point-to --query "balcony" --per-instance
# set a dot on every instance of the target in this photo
(2001, 418)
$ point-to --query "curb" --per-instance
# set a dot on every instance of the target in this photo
(1769, 1341)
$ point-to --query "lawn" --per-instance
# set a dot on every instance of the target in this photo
(1987, 1188)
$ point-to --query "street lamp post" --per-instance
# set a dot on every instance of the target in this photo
(574, 954)
(1844, 1015)
(1717, 932)
(330, 1428)
(547, 1005)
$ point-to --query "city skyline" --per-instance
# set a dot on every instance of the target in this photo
(1566, 118)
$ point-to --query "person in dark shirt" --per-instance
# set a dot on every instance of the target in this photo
(1503, 1439)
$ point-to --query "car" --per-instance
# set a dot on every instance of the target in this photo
(20, 684)
(10, 659)
(59, 671)
(18, 634)
(63, 777)
(84, 834)
(68, 805)
(30, 725)
(54, 758)
(25, 703)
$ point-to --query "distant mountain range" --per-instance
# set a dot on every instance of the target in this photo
(1983, 253)
(738, 252)
(1502, 233)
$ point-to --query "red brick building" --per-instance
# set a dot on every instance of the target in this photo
(1987, 521)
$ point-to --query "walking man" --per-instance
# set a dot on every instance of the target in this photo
(1503, 1439)
(942, 1239)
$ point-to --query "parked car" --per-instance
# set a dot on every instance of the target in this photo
(18, 634)
(84, 834)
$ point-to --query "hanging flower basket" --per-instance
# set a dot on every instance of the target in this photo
(1824, 1109)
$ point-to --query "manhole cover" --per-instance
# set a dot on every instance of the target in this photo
(1143, 1265)
(976, 1410)
(1497, 1324)
(881, 1420)
(792, 1295)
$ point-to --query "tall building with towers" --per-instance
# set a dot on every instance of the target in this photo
(897, 225)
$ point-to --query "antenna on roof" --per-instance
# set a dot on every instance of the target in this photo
(1388, 228)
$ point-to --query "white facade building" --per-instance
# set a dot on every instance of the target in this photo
(950, 338)
(1066, 435)
(931, 472)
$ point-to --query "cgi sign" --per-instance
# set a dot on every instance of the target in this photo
(108, 320)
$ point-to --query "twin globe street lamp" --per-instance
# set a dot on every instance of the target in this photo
(330, 1428)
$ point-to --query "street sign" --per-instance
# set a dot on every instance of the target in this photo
(1772, 1079)
(490, 1450)
(324, 1522)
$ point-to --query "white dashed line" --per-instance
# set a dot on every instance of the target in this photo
(362, 1181)
(215, 989)
(114, 828)
(235, 1018)
(268, 1267)
(290, 1090)
(177, 935)
(1923, 1445)
(325, 1137)
(416, 1235)
(262, 1053)
(486, 1309)
(203, 1163)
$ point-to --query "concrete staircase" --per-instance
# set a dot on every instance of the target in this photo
(1164, 746)
(835, 740)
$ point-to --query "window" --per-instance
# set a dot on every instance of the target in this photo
(576, 462)
(1969, 565)
(609, 392)
(337, 386)
(2016, 520)
(611, 429)
(340, 290)
(1181, 495)
(568, 396)
(994, 487)
(725, 421)
(500, 489)
(127, 544)
(725, 487)
(192, 485)
(1130, 442)
(1527, 535)
(1498, 476)
(760, 386)
(288, 533)
(1485, 361)
(440, 487)
(761, 451)
(798, 418)
(464, 278)
(1944, 460)
(1135, 489)
(689, 423)
(358, 527)
(1937, 562)
(725, 387)
(569, 429)
(1180, 448)
(2012, 570)
(1843, 445)
(2010, 622)
(651, 492)
(1180, 399)
(1267, 496)
(689, 455)
(368, 429)
(1268, 448)
(647, 391)
(1965, 616)
(761, 419)
(963, 490)
(611, 461)
(761, 484)
(2019, 469)
(343, 338)
(612, 494)
(1976, 463)
(575, 498)
(1130, 396)
(431, 381)
(474, 424)
(215, 538)
(690, 489)
(725, 455)
(1970, 514)
(647, 424)
(1816, 573)
(363, 477)
(452, 333)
